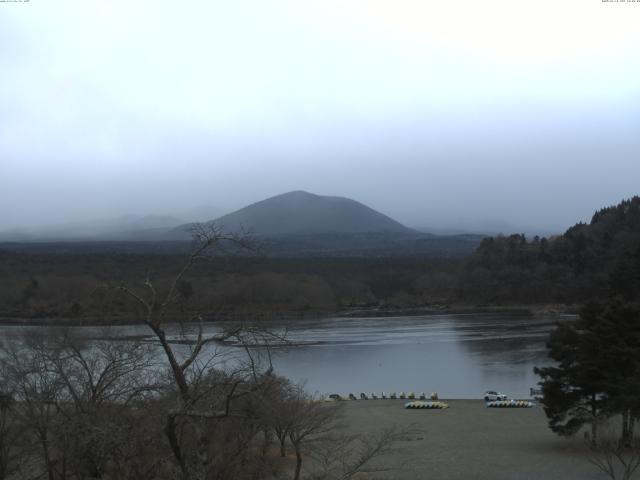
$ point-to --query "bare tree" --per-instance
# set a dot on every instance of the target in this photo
(311, 426)
(97, 372)
(37, 393)
(309, 419)
(10, 434)
(103, 380)
(73, 399)
(617, 458)
(203, 395)
(276, 411)
(342, 457)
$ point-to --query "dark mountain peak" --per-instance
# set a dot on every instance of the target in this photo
(296, 194)
(303, 196)
(303, 213)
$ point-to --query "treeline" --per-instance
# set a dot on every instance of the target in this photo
(595, 260)
(71, 285)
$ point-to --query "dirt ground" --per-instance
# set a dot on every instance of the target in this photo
(470, 441)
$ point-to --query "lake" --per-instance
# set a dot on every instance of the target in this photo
(456, 355)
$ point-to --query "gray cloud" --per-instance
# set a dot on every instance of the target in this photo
(146, 107)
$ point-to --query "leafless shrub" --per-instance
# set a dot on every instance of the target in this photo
(343, 457)
(310, 419)
(615, 457)
(74, 400)
(11, 433)
(311, 427)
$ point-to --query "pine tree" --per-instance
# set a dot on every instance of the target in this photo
(598, 369)
(572, 390)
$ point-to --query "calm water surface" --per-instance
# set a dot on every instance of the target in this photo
(459, 356)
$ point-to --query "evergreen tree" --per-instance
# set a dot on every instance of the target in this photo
(598, 369)
(617, 324)
(573, 390)
(625, 277)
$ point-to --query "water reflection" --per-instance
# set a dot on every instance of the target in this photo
(459, 356)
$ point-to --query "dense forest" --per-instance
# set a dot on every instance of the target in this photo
(589, 261)
(72, 285)
(592, 260)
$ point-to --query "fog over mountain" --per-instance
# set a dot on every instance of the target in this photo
(293, 224)
(438, 114)
(134, 227)
(303, 213)
(292, 213)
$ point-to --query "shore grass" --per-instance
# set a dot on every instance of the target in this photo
(470, 441)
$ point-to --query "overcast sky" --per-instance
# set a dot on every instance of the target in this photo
(438, 113)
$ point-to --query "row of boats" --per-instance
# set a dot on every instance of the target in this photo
(510, 404)
(420, 401)
(385, 396)
(495, 404)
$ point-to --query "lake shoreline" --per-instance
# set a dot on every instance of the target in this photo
(457, 355)
(356, 312)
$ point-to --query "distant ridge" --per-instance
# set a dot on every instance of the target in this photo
(125, 228)
(303, 213)
(293, 224)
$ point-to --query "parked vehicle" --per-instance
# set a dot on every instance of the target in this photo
(492, 396)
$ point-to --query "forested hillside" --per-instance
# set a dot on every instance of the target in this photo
(67, 285)
(589, 261)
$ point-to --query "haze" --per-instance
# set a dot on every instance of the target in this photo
(439, 114)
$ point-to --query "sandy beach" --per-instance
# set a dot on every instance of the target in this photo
(470, 441)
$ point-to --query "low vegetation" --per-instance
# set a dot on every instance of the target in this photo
(190, 407)
(75, 408)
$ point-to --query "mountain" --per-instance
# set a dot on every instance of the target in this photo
(294, 224)
(303, 213)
